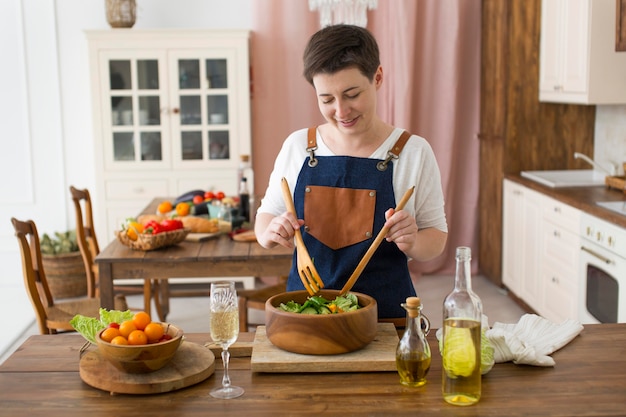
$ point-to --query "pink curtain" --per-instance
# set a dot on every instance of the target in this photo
(430, 53)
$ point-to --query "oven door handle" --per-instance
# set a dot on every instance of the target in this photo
(597, 255)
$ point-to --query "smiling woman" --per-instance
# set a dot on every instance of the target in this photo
(416, 94)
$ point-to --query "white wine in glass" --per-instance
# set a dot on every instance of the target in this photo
(224, 331)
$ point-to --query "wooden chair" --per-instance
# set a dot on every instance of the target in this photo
(52, 316)
(255, 299)
(89, 249)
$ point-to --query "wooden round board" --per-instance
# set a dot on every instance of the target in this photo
(192, 363)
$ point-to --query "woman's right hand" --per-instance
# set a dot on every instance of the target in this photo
(276, 230)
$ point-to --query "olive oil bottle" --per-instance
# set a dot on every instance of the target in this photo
(461, 356)
(413, 352)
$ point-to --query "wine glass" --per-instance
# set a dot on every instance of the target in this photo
(224, 330)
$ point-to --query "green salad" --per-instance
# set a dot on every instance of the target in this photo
(320, 305)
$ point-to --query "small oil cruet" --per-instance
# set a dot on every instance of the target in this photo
(413, 352)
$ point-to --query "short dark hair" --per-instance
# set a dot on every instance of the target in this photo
(338, 47)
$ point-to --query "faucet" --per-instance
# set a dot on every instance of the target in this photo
(584, 157)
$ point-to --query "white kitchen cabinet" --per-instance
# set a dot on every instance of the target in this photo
(578, 62)
(541, 246)
(521, 230)
(171, 113)
(560, 255)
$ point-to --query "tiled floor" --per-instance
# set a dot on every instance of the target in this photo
(191, 314)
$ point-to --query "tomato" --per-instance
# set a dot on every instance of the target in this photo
(219, 195)
(141, 320)
(127, 327)
(209, 195)
(165, 207)
(114, 325)
(109, 334)
(154, 332)
(137, 337)
(182, 209)
(171, 224)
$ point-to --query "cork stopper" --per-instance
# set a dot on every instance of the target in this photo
(413, 304)
(244, 158)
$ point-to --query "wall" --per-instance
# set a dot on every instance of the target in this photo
(610, 136)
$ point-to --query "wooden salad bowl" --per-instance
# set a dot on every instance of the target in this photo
(140, 359)
(320, 334)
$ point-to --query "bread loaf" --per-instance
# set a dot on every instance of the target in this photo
(199, 224)
(145, 218)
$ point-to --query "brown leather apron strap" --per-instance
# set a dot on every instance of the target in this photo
(394, 152)
(399, 145)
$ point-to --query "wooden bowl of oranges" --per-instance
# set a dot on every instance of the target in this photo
(139, 345)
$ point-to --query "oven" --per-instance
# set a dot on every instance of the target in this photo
(602, 272)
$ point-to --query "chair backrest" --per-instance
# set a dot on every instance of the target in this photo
(86, 237)
(33, 271)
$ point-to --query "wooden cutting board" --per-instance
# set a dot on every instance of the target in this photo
(201, 237)
(192, 363)
(378, 356)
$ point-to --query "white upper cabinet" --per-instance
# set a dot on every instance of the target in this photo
(578, 62)
(171, 113)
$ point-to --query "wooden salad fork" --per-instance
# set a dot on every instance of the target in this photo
(381, 235)
(308, 274)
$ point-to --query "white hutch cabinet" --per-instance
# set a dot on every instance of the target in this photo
(578, 62)
(171, 113)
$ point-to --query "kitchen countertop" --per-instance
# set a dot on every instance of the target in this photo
(42, 379)
(582, 198)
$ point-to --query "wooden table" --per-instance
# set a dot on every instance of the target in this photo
(41, 379)
(217, 257)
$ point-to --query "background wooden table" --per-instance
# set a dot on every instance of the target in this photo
(217, 257)
(589, 379)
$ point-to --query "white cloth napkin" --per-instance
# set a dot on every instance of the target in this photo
(531, 340)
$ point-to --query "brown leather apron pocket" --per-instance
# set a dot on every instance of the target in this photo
(339, 217)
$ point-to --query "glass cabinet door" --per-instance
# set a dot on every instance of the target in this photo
(204, 89)
(135, 101)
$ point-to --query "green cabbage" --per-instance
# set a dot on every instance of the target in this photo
(89, 327)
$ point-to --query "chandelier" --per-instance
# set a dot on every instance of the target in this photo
(351, 12)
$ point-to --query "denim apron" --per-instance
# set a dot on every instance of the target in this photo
(340, 225)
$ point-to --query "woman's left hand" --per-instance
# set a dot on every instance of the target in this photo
(402, 229)
(420, 245)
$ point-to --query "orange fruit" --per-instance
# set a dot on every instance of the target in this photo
(182, 209)
(141, 320)
(109, 334)
(165, 207)
(127, 327)
(119, 340)
(137, 337)
(154, 332)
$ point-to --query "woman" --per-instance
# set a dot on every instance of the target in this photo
(347, 176)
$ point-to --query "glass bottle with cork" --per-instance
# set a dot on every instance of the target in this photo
(245, 179)
(244, 199)
(461, 356)
(413, 353)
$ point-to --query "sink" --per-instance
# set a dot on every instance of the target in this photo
(617, 206)
(566, 178)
